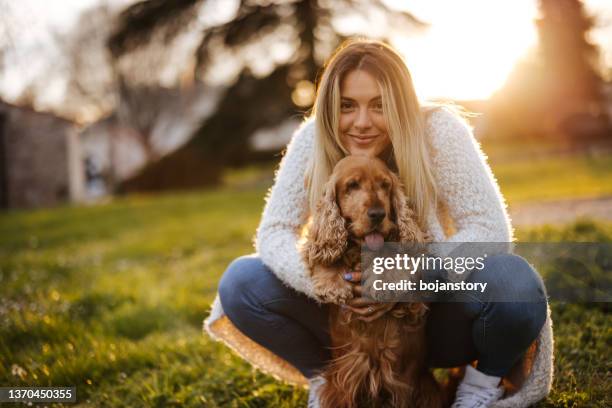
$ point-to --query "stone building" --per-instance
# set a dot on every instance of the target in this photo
(40, 159)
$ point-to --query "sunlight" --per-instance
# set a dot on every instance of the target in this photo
(470, 47)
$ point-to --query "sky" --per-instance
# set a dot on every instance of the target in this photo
(28, 27)
(467, 52)
(472, 45)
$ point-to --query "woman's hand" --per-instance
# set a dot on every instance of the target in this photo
(366, 309)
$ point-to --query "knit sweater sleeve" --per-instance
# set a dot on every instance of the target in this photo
(285, 212)
(465, 182)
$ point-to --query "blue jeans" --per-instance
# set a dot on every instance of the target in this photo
(295, 327)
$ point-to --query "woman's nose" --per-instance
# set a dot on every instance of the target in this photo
(363, 119)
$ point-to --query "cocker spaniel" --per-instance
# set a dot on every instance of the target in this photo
(380, 363)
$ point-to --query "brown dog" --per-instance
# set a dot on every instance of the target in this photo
(381, 363)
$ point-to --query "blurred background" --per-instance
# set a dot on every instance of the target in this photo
(138, 140)
(100, 97)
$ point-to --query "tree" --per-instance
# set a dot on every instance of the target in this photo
(278, 46)
(91, 88)
(558, 89)
(570, 60)
(126, 91)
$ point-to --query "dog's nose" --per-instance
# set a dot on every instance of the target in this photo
(376, 214)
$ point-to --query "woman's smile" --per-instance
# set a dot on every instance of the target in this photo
(363, 129)
(363, 140)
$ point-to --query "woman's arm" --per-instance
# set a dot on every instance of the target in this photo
(285, 213)
(465, 182)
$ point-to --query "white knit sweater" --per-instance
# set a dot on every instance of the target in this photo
(475, 212)
(463, 179)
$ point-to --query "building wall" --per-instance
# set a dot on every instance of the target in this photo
(43, 166)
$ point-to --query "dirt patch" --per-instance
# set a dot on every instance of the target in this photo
(561, 211)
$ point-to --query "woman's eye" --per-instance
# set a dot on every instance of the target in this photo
(346, 105)
(378, 106)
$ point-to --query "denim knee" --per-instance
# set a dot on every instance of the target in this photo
(515, 296)
(237, 284)
(510, 278)
(523, 319)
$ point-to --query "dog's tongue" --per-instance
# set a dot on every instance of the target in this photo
(374, 241)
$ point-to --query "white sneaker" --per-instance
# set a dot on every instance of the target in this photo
(477, 390)
(314, 384)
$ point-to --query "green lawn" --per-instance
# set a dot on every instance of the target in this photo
(552, 177)
(111, 298)
(555, 178)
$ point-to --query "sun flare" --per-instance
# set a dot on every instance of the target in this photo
(470, 47)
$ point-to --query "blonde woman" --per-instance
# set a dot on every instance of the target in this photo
(366, 105)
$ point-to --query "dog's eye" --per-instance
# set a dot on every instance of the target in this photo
(385, 185)
(352, 185)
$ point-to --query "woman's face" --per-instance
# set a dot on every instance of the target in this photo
(363, 130)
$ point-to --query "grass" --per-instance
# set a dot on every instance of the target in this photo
(544, 177)
(111, 298)
(555, 178)
(583, 332)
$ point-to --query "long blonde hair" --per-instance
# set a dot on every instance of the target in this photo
(403, 114)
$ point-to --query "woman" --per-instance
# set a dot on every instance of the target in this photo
(366, 105)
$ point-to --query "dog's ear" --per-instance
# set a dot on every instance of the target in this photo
(327, 235)
(408, 229)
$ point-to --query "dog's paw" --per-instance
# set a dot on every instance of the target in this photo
(333, 289)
